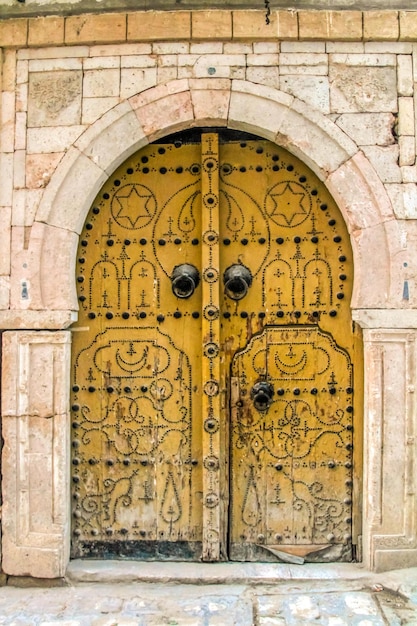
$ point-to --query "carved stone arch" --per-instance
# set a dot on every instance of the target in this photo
(236, 104)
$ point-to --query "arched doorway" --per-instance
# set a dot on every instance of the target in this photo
(216, 373)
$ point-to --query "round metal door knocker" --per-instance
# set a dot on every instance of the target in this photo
(185, 278)
(261, 394)
(237, 280)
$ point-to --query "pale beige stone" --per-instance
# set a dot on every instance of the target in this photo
(52, 65)
(368, 128)
(362, 89)
(252, 25)
(142, 61)
(262, 47)
(388, 47)
(314, 139)
(44, 31)
(304, 70)
(8, 70)
(261, 59)
(101, 63)
(404, 200)
(166, 74)
(101, 83)
(364, 203)
(159, 92)
(113, 138)
(170, 47)
(5, 297)
(381, 25)
(5, 229)
(339, 25)
(71, 191)
(257, 108)
(135, 80)
(211, 106)
(385, 161)
(53, 52)
(406, 116)
(39, 169)
(268, 76)
(22, 72)
(103, 27)
(337, 47)
(18, 207)
(174, 112)
(57, 271)
(409, 174)
(405, 75)
(243, 48)
(19, 170)
(313, 90)
(303, 58)
(407, 147)
(368, 60)
(13, 32)
(7, 117)
(54, 98)
(217, 65)
(6, 172)
(35, 509)
(22, 97)
(120, 49)
(408, 25)
(304, 47)
(211, 24)
(20, 130)
(33, 198)
(388, 359)
(158, 25)
(94, 108)
(42, 140)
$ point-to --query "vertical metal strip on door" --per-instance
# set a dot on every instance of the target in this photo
(210, 398)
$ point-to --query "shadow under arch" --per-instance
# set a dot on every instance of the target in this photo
(236, 104)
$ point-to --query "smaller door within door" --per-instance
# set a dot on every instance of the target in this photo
(291, 447)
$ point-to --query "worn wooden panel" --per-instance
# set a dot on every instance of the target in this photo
(136, 373)
(214, 362)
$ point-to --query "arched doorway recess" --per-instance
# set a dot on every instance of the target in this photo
(216, 377)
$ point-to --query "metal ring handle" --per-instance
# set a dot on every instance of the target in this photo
(237, 280)
(184, 278)
(262, 393)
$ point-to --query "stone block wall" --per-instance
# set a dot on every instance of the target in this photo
(81, 93)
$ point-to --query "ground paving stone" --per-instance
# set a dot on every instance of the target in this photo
(285, 602)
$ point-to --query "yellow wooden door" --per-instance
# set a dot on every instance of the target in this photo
(214, 360)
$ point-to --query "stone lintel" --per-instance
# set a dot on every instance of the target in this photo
(36, 320)
(385, 318)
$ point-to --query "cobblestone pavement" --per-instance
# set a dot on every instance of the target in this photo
(338, 602)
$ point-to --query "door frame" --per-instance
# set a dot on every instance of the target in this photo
(376, 241)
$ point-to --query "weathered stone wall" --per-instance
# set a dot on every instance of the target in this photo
(81, 93)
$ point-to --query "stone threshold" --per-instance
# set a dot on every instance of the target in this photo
(340, 574)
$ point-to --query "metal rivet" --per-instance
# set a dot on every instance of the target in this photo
(160, 318)
(177, 314)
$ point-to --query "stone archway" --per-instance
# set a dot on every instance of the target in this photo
(145, 117)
